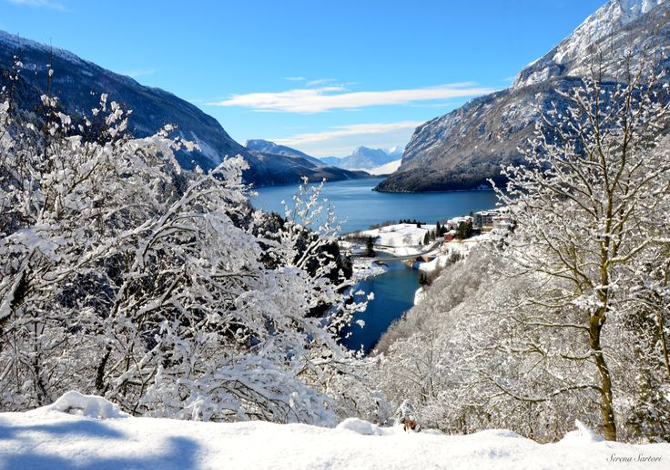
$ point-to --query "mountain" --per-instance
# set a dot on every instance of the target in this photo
(386, 168)
(78, 84)
(616, 21)
(265, 146)
(284, 165)
(463, 149)
(364, 158)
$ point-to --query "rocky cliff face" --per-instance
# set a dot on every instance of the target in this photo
(468, 146)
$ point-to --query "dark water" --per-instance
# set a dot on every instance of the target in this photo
(354, 200)
(394, 295)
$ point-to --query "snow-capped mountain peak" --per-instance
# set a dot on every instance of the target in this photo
(568, 56)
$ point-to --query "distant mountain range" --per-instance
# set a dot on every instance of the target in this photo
(282, 164)
(464, 148)
(265, 146)
(78, 84)
(364, 158)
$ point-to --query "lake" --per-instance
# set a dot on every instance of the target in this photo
(394, 295)
(355, 201)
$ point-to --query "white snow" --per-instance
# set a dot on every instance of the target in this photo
(583, 434)
(361, 427)
(49, 439)
(462, 247)
(364, 268)
(385, 169)
(419, 295)
(601, 24)
(399, 239)
(83, 405)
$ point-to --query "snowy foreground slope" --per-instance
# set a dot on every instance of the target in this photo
(103, 438)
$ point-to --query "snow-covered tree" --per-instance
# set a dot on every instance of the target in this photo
(588, 207)
(566, 316)
(163, 290)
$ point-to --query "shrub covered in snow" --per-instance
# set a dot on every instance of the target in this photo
(160, 289)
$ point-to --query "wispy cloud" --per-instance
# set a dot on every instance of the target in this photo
(321, 81)
(341, 140)
(134, 73)
(327, 98)
(294, 79)
(40, 4)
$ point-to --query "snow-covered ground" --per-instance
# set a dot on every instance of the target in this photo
(385, 169)
(446, 256)
(419, 295)
(102, 438)
(399, 239)
(447, 250)
(364, 268)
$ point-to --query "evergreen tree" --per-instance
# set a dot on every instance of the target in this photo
(464, 230)
(370, 247)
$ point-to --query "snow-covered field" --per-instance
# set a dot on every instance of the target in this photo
(399, 239)
(102, 438)
(461, 247)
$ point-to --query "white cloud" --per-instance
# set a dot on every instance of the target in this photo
(39, 3)
(342, 140)
(294, 79)
(320, 81)
(318, 100)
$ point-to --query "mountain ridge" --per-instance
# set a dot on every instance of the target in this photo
(78, 83)
(467, 147)
(298, 162)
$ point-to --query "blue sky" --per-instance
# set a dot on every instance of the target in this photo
(324, 77)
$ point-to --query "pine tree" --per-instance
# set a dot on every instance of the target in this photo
(370, 247)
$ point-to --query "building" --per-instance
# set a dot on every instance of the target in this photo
(453, 224)
(484, 219)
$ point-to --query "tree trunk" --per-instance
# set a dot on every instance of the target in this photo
(596, 323)
(100, 375)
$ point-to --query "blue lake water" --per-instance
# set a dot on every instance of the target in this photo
(394, 295)
(355, 201)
